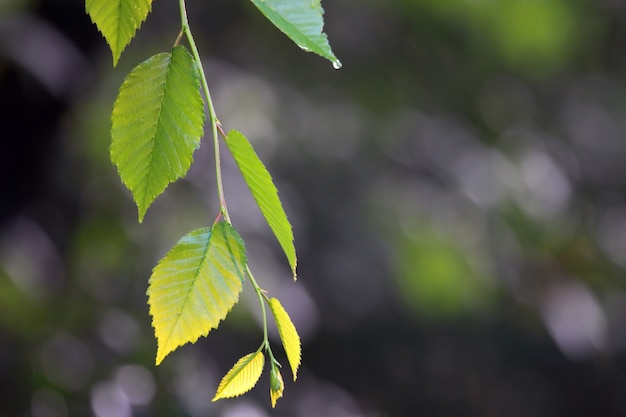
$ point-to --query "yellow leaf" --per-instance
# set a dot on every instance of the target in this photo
(242, 377)
(276, 386)
(288, 335)
(195, 285)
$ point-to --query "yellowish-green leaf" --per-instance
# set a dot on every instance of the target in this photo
(264, 192)
(157, 124)
(276, 385)
(288, 335)
(195, 285)
(118, 20)
(242, 377)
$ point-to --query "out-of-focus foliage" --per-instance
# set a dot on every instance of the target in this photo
(437, 279)
(456, 191)
(533, 36)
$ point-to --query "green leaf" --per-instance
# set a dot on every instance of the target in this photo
(288, 335)
(242, 377)
(264, 192)
(157, 124)
(195, 285)
(118, 20)
(302, 21)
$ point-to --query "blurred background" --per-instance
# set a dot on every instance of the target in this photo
(457, 190)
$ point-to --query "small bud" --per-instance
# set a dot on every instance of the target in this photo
(276, 381)
(276, 385)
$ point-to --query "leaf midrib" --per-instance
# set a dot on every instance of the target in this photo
(156, 142)
(191, 287)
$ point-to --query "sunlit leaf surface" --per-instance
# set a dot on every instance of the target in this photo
(157, 124)
(118, 20)
(264, 192)
(195, 285)
(288, 335)
(242, 377)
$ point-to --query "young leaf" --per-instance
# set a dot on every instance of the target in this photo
(288, 335)
(118, 20)
(195, 285)
(242, 377)
(264, 192)
(158, 120)
(302, 21)
(276, 385)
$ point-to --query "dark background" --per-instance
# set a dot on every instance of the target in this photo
(457, 190)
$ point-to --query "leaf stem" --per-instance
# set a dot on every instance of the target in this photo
(215, 126)
(262, 298)
(179, 38)
(212, 115)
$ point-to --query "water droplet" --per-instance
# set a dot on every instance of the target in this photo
(336, 64)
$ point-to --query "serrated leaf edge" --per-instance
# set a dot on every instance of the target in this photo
(252, 362)
(168, 58)
(312, 45)
(117, 54)
(275, 216)
(161, 355)
(288, 335)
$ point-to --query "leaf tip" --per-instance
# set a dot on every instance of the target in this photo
(159, 356)
(142, 209)
(295, 367)
(116, 58)
(164, 348)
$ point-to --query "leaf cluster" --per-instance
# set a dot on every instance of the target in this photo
(157, 124)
